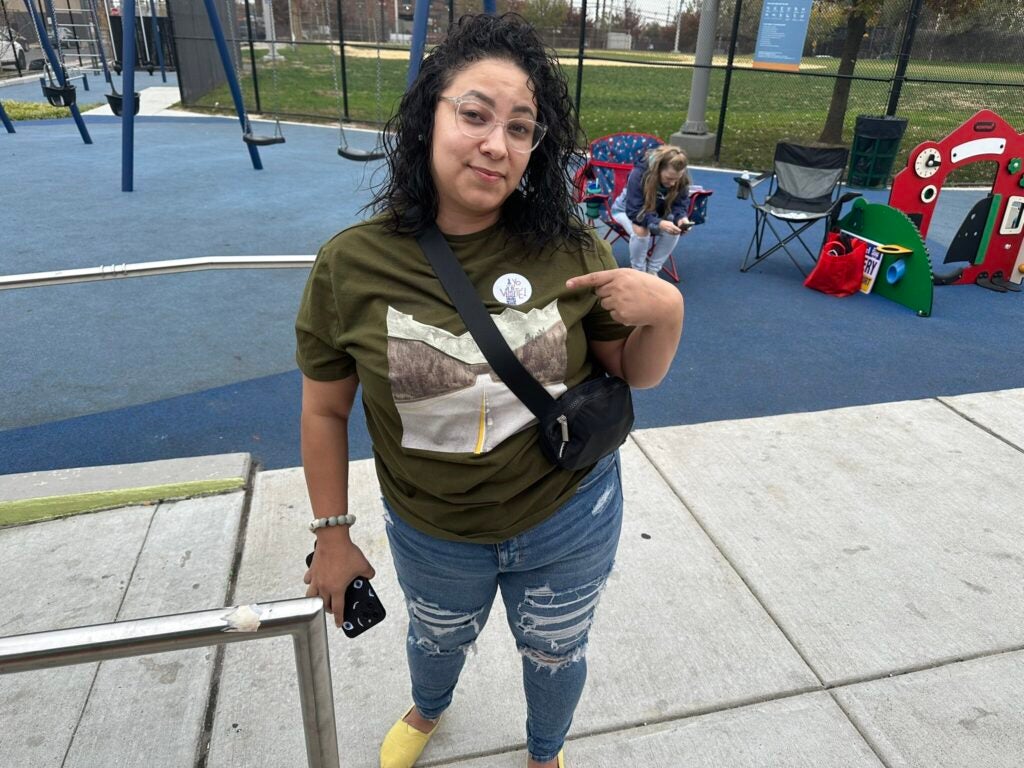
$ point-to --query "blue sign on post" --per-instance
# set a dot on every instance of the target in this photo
(781, 35)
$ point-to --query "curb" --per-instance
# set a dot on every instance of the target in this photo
(35, 496)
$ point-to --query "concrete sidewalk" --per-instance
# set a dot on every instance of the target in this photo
(828, 589)
(153, 100)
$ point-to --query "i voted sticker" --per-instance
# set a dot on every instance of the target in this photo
(512, 289)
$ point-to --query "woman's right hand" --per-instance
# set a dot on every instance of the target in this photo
(668, 227)
(336, 563)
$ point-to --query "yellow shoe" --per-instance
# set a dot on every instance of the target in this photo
(561, 758)
(403, 744)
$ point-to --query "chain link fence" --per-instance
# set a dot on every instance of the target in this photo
(962, 60)
(17, 39)
(80, 40)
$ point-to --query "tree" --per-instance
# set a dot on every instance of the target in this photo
(543, 14)
(860, 13)
(629, 19)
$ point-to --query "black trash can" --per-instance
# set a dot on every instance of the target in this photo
(876, 140)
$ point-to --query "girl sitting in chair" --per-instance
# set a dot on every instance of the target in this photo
(653, 204)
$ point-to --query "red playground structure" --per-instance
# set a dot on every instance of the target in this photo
(989, 246)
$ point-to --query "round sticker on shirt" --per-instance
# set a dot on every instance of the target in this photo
(512, 289)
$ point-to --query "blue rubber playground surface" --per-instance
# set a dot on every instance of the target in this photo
(140, 369)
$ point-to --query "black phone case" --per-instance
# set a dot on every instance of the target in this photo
(362, 607)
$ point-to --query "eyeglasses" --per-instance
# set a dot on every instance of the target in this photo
(477, 120)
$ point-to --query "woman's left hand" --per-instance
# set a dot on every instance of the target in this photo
(633, 297)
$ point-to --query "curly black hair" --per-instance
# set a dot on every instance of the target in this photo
(541, 212)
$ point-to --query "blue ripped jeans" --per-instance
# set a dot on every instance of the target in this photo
(551, 578)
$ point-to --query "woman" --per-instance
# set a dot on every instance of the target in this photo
(653, 204)
(480, 146)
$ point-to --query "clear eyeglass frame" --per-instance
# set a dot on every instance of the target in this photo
(480, 124)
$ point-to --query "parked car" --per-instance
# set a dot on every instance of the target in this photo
(12, 56)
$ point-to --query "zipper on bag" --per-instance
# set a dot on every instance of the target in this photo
(563, 421)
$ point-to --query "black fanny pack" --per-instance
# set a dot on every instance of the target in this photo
(577, 429)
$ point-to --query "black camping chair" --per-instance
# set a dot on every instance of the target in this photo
(804, 188)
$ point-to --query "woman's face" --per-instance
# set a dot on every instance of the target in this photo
(474, 176)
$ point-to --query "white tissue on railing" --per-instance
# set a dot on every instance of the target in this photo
(245, 618)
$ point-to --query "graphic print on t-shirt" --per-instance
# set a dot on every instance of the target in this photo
(448, 397)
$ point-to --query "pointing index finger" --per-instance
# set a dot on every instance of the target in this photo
(591, 279)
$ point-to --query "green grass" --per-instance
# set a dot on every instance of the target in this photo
(49, 507)
(764, 107)
(27, 110)
(303, 85)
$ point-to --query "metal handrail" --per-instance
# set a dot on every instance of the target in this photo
(302, 618)
(146, 268)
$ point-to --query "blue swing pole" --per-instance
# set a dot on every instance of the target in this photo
(419, 40)
(56, 34)
(58, 70)
(5, 119)
(154, 26)
(229, 70)
(419, 35)
(128, 96)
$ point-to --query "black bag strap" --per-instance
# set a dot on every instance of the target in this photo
(480, 323)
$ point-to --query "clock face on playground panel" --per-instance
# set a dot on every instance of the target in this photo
(927, 163)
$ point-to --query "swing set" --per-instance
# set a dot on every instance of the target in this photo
(420, 17)
(248, 135)
(344, 150)
(56, 84)
(59, 91)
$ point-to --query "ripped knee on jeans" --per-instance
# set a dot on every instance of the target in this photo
(557, 624)
(439, 631)
(553, 662)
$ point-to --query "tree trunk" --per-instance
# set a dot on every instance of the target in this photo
(832, 133)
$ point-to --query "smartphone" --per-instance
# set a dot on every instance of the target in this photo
(363, 608)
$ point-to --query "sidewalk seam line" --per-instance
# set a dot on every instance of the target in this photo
(732, 566)
(117, 613)
(853, 723)
(831, 690)
(948, 662)
(698, 712)
(979, 425)
(202, 754)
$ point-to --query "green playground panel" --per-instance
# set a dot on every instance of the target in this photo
(990, 225)
(888, 226)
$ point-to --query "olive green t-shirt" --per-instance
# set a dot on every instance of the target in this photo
(456, 452)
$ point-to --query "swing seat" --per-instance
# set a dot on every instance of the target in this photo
(116, 102)
(60, 96)
(360, 155)
(262, 141)
(257, 140)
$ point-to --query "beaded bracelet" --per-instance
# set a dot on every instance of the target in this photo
(326, 522)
